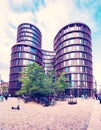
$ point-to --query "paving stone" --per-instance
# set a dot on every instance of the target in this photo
(32, 116)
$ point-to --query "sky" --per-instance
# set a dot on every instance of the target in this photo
(49, 16)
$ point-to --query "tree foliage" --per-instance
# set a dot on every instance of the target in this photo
(35, 82)
(4, 89)
(61, 84)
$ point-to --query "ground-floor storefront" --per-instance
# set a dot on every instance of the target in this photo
(78, 92)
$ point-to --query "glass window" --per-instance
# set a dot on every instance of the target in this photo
(69, 35)
(83, 62)
(85, 77)
(71, 28)
(32, 50)
(78, 83)
(67, 70)
(67, 56)
(77, 34)
(85, 42)
(17, 62)
(83, 48)
(14, 55)
(78, 48)
(25, 29)
(85, 55)
(60, 45)
(60, 58)
(26, 25)
(82, 34)
(67, 42)
(33, 44)
(19, 48)
(27, 55)
(64, 63)
(64, 50)
(77, 27)
(72, 83)
(80, 41)
(18, 68)
(72, 69)
(69, 77)
(81, 55)
(33, 27)
(81, 69)
(78, 62)
(72, 76)
(64, 37)
(69, 62)
(24, 62)
(33, 57)
(19, 54)
(71, 41)
(72, 55)
(66, 30)
(85, 69)
(78, 76)
(26, 48)
(70, 48)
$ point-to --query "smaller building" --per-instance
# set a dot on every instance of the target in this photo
(48, 60)
(4, 87)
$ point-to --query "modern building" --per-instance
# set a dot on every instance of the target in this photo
(27, 50)
(48, 60)
(72, 54)
(73, 49)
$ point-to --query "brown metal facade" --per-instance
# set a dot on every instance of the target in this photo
(73, 49)
(72, 55)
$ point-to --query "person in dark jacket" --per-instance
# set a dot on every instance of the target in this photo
(100, 98)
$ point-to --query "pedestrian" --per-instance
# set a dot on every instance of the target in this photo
(6, 97)
(100, 98)
(96, 96)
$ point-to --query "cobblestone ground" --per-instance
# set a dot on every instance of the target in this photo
(32, 116)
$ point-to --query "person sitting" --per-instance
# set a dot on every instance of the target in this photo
(16, 108)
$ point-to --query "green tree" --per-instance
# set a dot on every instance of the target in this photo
(50, 81)
(32, 79)
(61, 83)
(4, 89)
(35, 82)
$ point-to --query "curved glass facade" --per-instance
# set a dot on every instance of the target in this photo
(72, 55)
(73, 49)
(26, 51)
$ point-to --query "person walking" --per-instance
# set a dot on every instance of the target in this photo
(100, 98)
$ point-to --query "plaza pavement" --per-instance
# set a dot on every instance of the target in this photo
(95, 120)
(85, 115)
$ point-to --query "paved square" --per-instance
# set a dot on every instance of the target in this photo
(32, 116)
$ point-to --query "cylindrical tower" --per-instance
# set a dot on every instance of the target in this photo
(24, 52)
(73, 49)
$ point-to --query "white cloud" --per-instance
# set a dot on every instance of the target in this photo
(20, 2)
(49, 18)
(54, 15)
